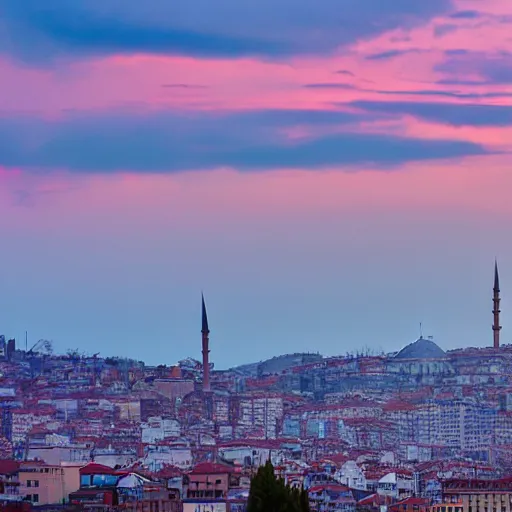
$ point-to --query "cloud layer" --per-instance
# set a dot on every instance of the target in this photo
(38, 31)
(248, 141)
(448, 113)
(348, 84)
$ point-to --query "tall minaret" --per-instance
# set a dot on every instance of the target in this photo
(206, 350)
(496, 328)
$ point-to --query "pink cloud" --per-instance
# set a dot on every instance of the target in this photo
(497, 138)
(149, 81)
(183, 200)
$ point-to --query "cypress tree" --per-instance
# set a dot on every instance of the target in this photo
(304, 500)
(270, 494)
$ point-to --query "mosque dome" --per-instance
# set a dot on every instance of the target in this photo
(421, 349)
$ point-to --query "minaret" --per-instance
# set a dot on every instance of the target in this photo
(206, 351)
(496, 328)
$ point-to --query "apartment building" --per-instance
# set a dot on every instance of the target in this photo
(45, 484)
(479, 495)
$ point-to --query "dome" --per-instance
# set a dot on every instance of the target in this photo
(421, 349)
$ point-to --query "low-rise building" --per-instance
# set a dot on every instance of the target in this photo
(477, 495)
(213, 487)
(332, 497)
(103, 487)
(47, 484)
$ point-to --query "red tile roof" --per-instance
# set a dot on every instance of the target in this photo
(169, 471)
(96, 469)
(372, 499)
(412, 501)
(209, 468)
(9, 467)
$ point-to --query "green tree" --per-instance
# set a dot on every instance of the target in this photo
(270, 494)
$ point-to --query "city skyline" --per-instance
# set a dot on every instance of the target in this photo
(255, 255)
(329, 176)
(365, 349)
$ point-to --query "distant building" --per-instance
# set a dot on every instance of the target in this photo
(3, 347)
(45, 484)
(351, 475)
(157, 429)
(412, 504)
(213, 487)
(9, 478)
(397, 484)
(174, 388)
(333, 497)
(422, 358)
(478, 495)
(102, 487)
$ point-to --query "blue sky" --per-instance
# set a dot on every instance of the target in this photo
(329, 174)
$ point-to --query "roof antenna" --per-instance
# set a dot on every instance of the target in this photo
(421, 331)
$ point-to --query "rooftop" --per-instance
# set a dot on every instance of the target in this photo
(9, 467)
(210, 468)
(421, 349)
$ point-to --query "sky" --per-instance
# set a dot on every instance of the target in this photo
(330, 174)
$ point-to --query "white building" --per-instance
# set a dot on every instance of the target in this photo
(397, 485)
(351, 475)
(157, 429)
(158, 456)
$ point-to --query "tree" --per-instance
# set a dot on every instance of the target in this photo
(270, 494)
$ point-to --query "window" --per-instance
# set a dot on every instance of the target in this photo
(35, 498)
(104, 480)
(29, 483)
(85, 480)
(36, 483)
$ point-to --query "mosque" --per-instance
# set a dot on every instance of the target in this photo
(424, 357)
(421, 360)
